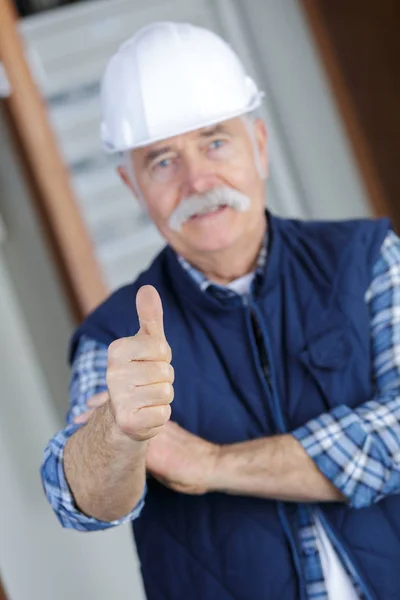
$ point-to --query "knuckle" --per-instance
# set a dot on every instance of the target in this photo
(160, 415)
(165, 350)
(167, 372)
(152, 418)
(166, 392)
(165, 413)
(158, 349)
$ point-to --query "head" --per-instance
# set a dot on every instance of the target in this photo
(204, 190)
(176, 102)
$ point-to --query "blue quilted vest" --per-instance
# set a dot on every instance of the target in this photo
(315, 329)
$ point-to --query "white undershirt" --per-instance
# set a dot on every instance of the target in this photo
(338, 583)
(242, 285)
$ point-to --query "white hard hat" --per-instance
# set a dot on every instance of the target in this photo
(168, 79)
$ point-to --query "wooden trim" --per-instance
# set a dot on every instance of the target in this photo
(48, 176)
(2, 592)
(347, 108)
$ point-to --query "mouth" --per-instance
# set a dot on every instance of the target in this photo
(209, 212)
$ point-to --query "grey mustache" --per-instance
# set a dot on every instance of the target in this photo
(203, 203)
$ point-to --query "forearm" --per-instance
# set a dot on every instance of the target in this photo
(275, 467)
(105, 470)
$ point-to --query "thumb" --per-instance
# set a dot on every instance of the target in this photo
(149, 310)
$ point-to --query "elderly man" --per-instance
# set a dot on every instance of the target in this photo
(276, 475)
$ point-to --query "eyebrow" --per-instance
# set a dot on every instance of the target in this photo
(212, 131)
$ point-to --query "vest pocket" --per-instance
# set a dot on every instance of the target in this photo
(329, 350)
(334, 370)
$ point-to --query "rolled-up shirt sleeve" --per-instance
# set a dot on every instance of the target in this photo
(88, 377)
(358, 450)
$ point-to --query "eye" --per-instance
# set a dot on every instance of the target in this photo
(216, 144)
(163, 164)
(164, 168)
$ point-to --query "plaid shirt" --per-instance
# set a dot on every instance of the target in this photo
(358, 450)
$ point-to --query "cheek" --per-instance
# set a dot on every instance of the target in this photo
(160, 207)
(160, 201)
(242, 176)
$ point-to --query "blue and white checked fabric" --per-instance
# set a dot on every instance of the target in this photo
(358, 450)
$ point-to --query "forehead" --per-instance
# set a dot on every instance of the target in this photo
(232, 127)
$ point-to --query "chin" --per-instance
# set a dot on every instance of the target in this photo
(211, 243)
(215, 232)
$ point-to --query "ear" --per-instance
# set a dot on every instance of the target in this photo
(123, 173)
(261, 140)
(125, 178)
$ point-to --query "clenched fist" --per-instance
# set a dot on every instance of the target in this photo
(139, 372)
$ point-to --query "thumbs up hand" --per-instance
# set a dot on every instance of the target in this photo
(139, 373)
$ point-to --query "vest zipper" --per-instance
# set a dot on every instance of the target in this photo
(279, 420)
(282, 427)
(270, 391)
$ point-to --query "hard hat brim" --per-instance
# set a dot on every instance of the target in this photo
(254, 104)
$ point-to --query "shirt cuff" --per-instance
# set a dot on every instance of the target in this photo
(340, 447)
(60, 496)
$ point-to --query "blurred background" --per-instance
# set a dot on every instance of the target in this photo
(70, 232)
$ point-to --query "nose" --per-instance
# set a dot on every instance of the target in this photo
(199, 176)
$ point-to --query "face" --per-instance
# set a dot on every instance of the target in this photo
(193, 173)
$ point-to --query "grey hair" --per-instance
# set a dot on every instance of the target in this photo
(249, 120)
(127, 163)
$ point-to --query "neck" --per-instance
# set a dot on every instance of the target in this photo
(229, 264)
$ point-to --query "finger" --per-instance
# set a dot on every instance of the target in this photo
(127, 377)
(144, 423)
(151, 417)
(143, 348)
(97, 400)
(149, 310)
(83, 418)
(153, 395)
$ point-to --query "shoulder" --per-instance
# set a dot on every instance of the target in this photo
(339, 231)
(334, 254)
(336, 239)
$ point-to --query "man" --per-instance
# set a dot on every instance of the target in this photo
(276, 475)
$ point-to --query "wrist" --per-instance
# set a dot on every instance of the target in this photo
(214, 481)
(115, 436)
